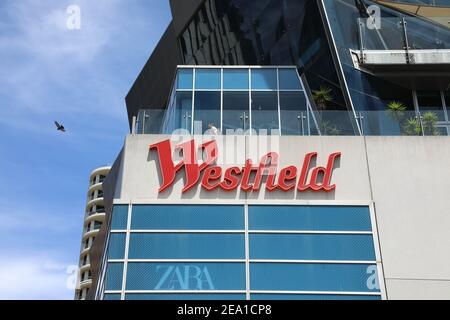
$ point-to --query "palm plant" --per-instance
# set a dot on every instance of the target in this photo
(412, 127)
(322, 97)
(429, 121)
(396, 111)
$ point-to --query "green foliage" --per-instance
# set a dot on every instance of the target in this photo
(429, 121)
(322, 97)
(413, 127)
(396, 110)
(329, 129)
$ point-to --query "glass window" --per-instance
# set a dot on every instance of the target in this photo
(184, 296)
(264, 79)
(289, 79)
(119, 217)
(110, 296)
(116, 247)
(207, 79)
(207, 110)
(350, 247)
(236, 110)
(431, 101)
(293, 113)
(447, 102)
(235, 79)
(186, 276)
(185, 79)
(186, 246)
(311, 277)
(184, 217)
(114, 275)
(319, 218)
(265, 111)
(313, 297)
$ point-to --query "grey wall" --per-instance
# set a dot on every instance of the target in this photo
(407, 179)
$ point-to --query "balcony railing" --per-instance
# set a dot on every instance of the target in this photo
(405, 33)
(327, 123)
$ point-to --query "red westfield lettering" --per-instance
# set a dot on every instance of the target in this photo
(214, 177)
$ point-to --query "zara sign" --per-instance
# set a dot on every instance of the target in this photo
(247, 178)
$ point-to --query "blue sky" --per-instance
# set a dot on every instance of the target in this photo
(80, 78)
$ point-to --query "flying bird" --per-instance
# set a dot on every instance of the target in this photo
(60, 127)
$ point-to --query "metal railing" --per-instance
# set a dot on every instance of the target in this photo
(401, 33)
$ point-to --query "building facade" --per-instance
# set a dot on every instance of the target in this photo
(293, 149)
(94, 216)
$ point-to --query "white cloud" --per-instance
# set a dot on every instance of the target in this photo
(34, 278)
(45, 65)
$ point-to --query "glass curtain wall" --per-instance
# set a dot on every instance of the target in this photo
(247, 100)
(284, 252)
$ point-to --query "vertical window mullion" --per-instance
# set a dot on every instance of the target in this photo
(127, 244)
(278, 99)
(193, 99)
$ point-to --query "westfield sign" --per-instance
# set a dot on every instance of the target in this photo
(248, 178)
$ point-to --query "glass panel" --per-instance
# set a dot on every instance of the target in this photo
(235, 110)
(207, 110)
(183, 217)
(264, 79)
(119, 217)
(185, 79)
(186, 246)
(289, 79)
(293, 113)
(235, 79)
(184, 296)
(315, 218)
(114, 275)
(110, 296)
(265, 111)
(186, 276)
(447, 103)
(312, 247)
(207, 79)
(116, 247)
(313, 277)
(431, 102)
(183, 116)
(312, 297)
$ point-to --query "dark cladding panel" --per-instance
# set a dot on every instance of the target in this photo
(152, 87)
(182, 12)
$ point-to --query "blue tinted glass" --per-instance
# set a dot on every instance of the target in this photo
(325, 218)
(264, 79)
(185, 217)
(312, 277)
(186, 276)
(114, 275)
(185, 79)
(289, 79)
(184, 296)
(312, 247)
(207, 78)
(116, 247)
(313, 297)
(112, 296)
(186, 246)
(235, 79)
(119, 217)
